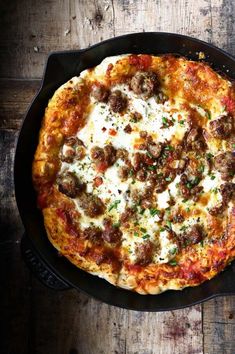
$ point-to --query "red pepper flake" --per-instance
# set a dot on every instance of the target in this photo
(101, 166)
(98, 181)
(112, 132)
(104, 129)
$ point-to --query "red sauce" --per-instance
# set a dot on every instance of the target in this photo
(229, 104)
(142, 62)
(134, 267)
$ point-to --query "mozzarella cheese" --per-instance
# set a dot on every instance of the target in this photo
(103, 127)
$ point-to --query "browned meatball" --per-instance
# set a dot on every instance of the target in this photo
(155, 149)
(228, 192)
(111, 234)
(193, 236)
(225, 164)
(144, 83)
(222, 127)
(127, 215)
(144, 253)
(195, 139)
(72, 149)
(97, 153)
(110, 154)
(117, 101)
(92, 233)
(122, 154)
(123, 172)
(92, 205)
(69, 185)
(100, 93)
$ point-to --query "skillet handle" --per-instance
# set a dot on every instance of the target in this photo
(39, 269)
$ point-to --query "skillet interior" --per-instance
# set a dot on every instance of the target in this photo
(61, 67)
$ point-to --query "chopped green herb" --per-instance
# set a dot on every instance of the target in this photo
(173, 262)
(187, 210)
(168, 179)
(154, 211)
(184, 200)
(117, 224)
(214, 190)
(131, 173)
(181, 122)
(164, 121)
(201, 168)
(149, 154)
(169, 148)
(146, 236)
(162, 229)
(152, 168)
(114, 205)
(142, 229)
(202, 243)
(183, 228)
(209, 155)
(173, 250)
(142, 211)
(212, 177)
(233, 146)
(168, 223)
(208, 114)
(136, 234)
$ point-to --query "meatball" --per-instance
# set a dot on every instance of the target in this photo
(144, 83)
(69, 185)
(225, 164)
(73, 148)
(222, 127)
(117, 101)
(92, 233)
(144, 253)
(92, 205)
(228, 192)
(100, 93)
(110, 154)
(123, 173)
(97, 153)
(195, 140)
(106, 155)
(111, 234)
(127, 215)
(193, 236)
(155, 149)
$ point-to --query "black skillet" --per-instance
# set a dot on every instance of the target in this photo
(57, 272)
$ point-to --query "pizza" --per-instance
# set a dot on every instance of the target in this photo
(134, 172)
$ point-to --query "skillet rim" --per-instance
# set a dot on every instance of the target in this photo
(21, 212)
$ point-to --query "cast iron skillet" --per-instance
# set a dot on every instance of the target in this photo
(60, 67)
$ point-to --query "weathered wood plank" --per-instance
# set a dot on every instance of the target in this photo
(219, 325)
(24, 44)
(15, 278)
(74, 323)
(15, 97)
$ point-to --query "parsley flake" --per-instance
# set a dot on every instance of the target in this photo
(114, 205)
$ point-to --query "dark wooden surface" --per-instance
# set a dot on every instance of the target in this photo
(33, 318)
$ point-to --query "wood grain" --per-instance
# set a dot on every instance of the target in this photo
(51, 26)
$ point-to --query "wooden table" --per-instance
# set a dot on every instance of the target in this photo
(38, 320)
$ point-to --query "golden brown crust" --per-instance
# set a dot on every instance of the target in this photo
(199, 86)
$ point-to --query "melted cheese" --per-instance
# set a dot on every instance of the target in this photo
(166, 123)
